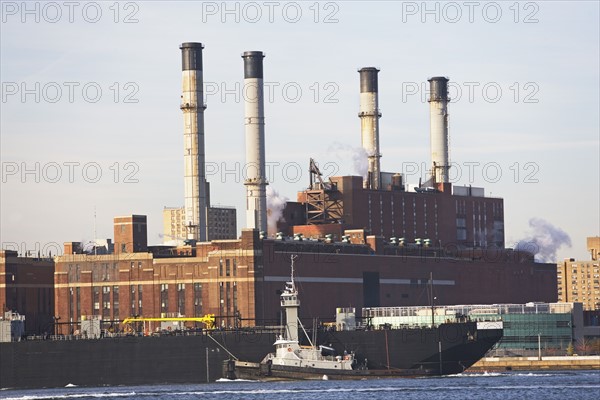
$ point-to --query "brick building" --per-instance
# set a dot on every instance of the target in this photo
(131, 234)
(27, 287)
(579, 281)
(212, 278)
(459, 215)
(243, 277)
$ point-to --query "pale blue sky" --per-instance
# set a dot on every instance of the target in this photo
(554, 61)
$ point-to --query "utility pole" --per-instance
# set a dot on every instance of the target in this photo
(207, 370)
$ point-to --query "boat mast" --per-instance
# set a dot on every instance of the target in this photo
(293, 257)
(291, 303)
(432, 300)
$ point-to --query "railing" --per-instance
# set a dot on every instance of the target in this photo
(105, 335)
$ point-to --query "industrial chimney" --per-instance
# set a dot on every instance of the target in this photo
(369, 120)
(256, 181)
(438, 115)
(192, 105)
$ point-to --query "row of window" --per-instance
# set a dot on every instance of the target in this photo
(230, 267)
(108, 306)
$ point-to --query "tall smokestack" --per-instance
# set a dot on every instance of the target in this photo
(192, 105)
(369, 120)
(256, 181)
(438, 115)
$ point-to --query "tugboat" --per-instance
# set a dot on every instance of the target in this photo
(296, 362)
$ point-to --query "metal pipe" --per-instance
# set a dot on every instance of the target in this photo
(438, 117)
(192, 105)
(369, 120)
(256, 181)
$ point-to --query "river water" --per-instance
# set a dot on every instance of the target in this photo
(578, 385)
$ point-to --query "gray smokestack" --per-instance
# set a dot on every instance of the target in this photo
(256, 181)
(369, 120)
(438, 117)
(192, 105)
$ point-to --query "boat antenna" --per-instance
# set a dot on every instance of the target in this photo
(432, 299)
(293, 257)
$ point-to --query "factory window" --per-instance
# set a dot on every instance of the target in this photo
(181, 298)
(123, 248)
(71, 305)
(228, 298)
(164, 298)
(132, 290)
(140, 300)
(78, 303)
(106, 310)
(234, 267)
(221, 299)
(227, 267)
(96, 299)
(106, 302)
(116, 303)
(220, 267)
(105, 272)
(197, 299)
(461, 229)
(235, 299)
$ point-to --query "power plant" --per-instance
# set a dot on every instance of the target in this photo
(369, 241)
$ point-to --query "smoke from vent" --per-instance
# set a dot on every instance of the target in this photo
(275, 205)
(358, 155)
(544, 240)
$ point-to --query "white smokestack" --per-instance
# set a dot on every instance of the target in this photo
(438, 115)
(256, 181)
(192, 105)
(369, 120)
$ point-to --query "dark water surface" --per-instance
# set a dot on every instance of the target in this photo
(576, 385)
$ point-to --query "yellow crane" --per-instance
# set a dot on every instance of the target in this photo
(208, 320)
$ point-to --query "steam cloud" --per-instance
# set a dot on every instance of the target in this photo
(275, 206)
(544, 240)
(359, 156)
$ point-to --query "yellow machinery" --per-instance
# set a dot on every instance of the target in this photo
(208, 320)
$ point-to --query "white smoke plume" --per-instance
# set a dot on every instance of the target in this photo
(275, 205)
(544, 240)
(358, 155)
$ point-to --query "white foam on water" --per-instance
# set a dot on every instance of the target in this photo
(75, 396)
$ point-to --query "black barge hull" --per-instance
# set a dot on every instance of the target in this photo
(461, 345)
(197, 358)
